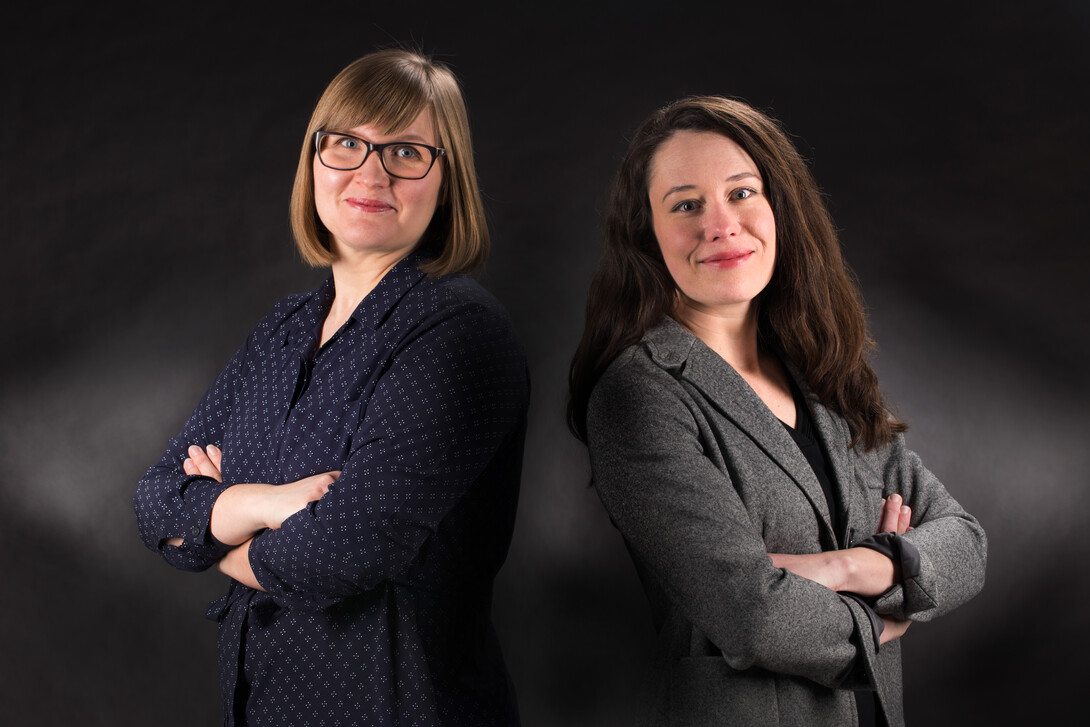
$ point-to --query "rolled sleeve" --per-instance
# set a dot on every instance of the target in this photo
(946, 550)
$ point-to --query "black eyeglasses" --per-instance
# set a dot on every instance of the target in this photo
(401, 159)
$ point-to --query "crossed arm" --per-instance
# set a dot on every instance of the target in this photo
(243, 510)
(858, 570)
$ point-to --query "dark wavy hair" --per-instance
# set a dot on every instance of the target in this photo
(812, 308)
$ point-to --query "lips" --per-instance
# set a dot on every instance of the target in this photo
(368, 205)
(727, 258)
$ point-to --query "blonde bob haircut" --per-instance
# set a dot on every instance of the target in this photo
(389, 89)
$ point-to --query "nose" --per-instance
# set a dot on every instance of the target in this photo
(721, 220)
(371, 173)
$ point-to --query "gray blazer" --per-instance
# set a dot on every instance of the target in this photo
(703, 482)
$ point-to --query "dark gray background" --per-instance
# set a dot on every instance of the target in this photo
(147, 159)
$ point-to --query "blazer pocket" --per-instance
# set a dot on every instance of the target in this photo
(707, 691)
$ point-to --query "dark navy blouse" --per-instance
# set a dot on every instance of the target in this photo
(378, 596)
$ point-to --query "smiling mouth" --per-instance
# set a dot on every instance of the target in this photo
(727, 258)
(368, 205)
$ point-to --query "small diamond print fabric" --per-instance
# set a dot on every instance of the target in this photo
(378, 596)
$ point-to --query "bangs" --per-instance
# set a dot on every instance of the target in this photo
(389, 97)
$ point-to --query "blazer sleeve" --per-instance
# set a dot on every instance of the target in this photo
(953, 548)
(454, 396)
(687, 525)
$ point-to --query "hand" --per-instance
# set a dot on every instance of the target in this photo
(895, 516)
(204, 463)
(200, 463)
(895, 629)
(283, 501)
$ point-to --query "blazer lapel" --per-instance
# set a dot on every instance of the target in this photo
(674, 347)
(834, 437)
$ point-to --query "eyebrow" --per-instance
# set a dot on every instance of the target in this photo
(687, 187)
(404, 138)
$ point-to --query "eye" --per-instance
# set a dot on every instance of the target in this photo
(688, 205)
(407, 152)
(347, 142)
(743, 193)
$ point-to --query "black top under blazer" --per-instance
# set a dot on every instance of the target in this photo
(703, 481)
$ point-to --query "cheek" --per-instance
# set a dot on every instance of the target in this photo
(421, 193)
(325, 188)
(666, 235)
(424, 202)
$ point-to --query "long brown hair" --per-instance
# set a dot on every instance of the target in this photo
(812, 307)
(390, 88)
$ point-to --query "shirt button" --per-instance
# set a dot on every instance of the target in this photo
(195, 531)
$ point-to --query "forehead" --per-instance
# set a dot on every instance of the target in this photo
(698, 157)
(421, 128)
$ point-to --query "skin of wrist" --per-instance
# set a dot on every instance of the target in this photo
(237, 514)
(866, 572)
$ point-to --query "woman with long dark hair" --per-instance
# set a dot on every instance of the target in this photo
(355, 467)
(739, 440)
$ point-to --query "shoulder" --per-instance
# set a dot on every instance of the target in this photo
(459, 292)
(454, 322)
(640, 396)
(650, 369)
(286, 315)
(632, 375)
(453, 303)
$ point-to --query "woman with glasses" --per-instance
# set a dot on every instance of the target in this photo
(354, 469)
(785, 536)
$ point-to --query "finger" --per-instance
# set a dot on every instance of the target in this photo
(903, 519)
(204, 465)
(328, 479)
(215, 456)
(189, 468)
(890, 514)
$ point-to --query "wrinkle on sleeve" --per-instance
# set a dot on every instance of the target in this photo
(950, 546)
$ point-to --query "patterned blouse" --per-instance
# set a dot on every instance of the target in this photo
(377, 597)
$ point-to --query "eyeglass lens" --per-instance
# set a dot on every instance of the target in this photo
(410, 161)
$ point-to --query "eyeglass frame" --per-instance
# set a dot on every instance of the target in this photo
(436, 152)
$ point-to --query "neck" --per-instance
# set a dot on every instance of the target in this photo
(355, 276)
(730, 332)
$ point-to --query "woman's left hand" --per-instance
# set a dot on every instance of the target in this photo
(895, 517)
